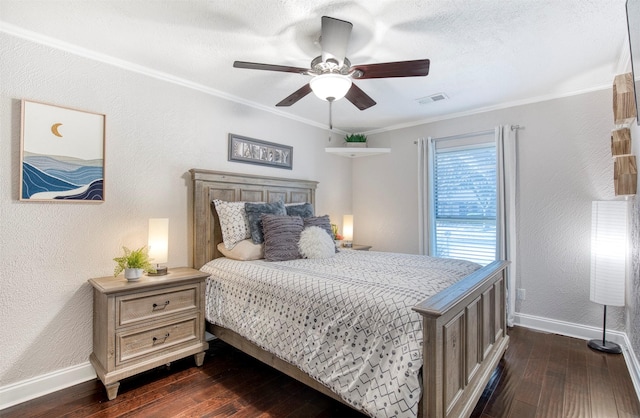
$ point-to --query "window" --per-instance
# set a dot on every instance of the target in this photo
(464, 199)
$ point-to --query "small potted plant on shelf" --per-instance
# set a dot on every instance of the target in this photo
(356, 140)
(134, 263)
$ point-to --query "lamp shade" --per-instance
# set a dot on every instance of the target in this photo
(347, 227)
(330, 86)
(608, 252)
(158, 240)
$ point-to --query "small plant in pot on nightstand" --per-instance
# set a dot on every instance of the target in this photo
(134, 263)
(356, 140)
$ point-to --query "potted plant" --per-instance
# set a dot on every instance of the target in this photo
(337, 238)
(134, 263)
(356, 140)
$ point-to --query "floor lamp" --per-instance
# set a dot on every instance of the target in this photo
(608, 262)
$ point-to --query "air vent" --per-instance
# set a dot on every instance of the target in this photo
(433, 98)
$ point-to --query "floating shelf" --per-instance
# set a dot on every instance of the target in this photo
(357, 152)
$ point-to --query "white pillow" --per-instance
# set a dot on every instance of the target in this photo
(233, 222)
(316, 243)
(245, 250)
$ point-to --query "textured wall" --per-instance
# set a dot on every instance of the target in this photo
(155, 133)
(564, 163)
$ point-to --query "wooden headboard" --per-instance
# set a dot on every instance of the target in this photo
(234, 187)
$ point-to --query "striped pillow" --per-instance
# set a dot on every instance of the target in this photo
(281, 236)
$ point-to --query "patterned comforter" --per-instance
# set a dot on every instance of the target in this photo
(346, 320)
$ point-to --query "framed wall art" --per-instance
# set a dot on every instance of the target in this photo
(62, 154)
(255, 151)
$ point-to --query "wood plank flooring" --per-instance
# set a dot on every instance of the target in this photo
(541, 375)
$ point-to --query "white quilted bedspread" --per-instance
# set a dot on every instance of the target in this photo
(346, 320)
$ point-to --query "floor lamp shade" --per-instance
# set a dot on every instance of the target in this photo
(608, 263)
(608, 252)
(158, 244)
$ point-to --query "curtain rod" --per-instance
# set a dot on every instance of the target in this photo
(471, 134)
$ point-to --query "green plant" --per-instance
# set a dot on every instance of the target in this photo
(134, 259)
(356, 138)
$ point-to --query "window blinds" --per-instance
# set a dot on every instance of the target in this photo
(465, 201)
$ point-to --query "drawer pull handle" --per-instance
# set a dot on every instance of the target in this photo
(157, 307)
(156, 339)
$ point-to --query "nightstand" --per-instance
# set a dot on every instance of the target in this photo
(143, 324)
(358, 247)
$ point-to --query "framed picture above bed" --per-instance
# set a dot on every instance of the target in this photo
(62, 154)
(254, 151)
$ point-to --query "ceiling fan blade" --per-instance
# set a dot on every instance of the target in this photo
(416, 68)
(295, 96)
(335, 39)
(269, 67)
(359, 98)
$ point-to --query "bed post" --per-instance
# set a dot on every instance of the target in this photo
(465, 336)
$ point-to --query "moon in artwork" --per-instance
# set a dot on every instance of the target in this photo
(54, 129)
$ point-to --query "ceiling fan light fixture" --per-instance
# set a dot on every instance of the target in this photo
(330, 87)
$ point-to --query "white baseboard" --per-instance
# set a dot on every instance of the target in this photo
(585, 332)
(42, 385)
(26, 390)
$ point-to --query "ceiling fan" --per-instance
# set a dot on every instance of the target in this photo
(333, 73)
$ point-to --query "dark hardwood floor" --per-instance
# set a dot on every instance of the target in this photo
(541, 375)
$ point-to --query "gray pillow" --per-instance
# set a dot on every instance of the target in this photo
(281, 236)
(322, 221)
(303, 210)
(255, 210)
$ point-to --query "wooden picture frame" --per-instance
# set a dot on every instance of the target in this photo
(61, 154)
(254, 151)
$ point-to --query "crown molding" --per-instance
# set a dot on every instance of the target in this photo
(38, 38)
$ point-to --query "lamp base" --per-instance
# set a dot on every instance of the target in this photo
(604, 346)
(160, 271)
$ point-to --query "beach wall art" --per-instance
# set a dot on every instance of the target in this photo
(62, 154)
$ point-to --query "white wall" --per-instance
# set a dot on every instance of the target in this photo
(564, 162)
(155, 133)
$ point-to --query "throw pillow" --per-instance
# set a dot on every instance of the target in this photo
(233, 222)
(255, 211)
(281, 236)
(315, 243)
(322, 221)
(303, 210)
(245, 250)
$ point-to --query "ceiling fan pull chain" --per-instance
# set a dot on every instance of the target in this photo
(330, 119)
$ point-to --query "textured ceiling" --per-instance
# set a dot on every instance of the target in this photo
(484, 53)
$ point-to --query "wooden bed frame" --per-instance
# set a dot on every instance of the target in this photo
(464, 325)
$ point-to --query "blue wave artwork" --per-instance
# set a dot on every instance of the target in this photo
(47, 177)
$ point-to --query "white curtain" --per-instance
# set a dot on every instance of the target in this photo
(506, 142)
(423, 195)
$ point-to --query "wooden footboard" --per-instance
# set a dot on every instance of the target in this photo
(465, 336)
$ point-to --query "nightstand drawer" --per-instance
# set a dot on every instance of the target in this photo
(135, 344)
(141, 307)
